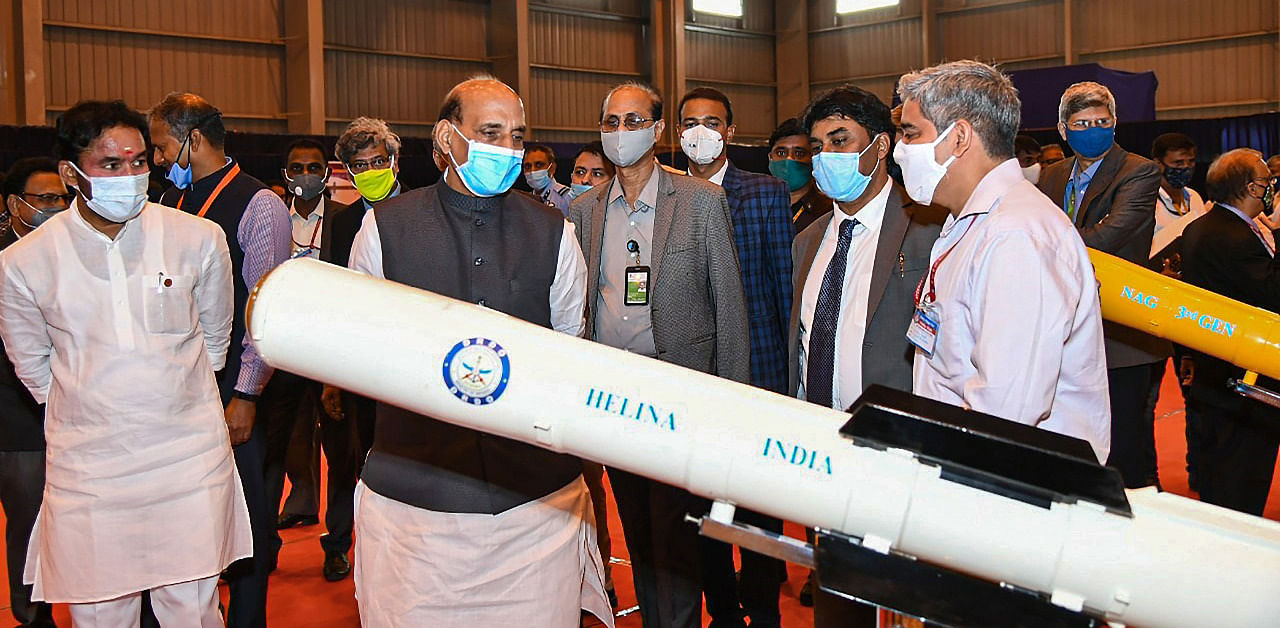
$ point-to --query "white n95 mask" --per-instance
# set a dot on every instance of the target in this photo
(701, 145)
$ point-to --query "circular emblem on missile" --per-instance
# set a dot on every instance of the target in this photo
(476, 371)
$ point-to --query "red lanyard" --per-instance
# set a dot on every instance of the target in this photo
(226, 178)
(933, 270)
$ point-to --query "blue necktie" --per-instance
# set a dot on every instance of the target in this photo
(821, 367)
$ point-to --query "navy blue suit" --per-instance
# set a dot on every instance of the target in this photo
(760, 208)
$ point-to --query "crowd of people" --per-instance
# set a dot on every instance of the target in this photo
(928, 248)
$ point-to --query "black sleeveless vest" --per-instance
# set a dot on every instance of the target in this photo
(502, 253)
(227, 210)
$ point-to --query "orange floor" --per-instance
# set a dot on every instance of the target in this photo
(300, 597)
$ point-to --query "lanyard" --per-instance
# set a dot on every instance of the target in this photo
(226, 178)
(933, 270)
(1173, 209)
(312, 244)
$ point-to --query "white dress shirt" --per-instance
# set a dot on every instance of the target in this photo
(718, 177)
(568, 289)
(121, 337)
(851, 325)
(1169, 223)
(306, 231)
(1020, 330)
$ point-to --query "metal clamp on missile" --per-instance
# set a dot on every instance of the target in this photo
(905, 508)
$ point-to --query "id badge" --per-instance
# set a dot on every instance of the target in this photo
(923, 331)
(637, 285)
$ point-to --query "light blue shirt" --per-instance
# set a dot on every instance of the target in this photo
(1079, 182)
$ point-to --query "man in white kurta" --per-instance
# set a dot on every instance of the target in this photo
(1008, 320)
(455, 527)
(120, 335)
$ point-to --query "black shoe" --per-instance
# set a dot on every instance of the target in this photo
(336, 566)
(285, 522)
(806, 592)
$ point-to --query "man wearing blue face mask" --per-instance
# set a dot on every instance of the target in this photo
(857, 267)
(452, 522)
(791, 159)
(1108, 193)
(540, 173)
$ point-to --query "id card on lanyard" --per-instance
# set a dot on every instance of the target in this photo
(926, 320)
(637, 278)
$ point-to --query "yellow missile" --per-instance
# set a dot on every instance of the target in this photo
(1207, 322)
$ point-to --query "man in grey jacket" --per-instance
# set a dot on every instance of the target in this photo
(662, 281)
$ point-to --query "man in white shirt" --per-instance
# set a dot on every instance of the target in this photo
(116, 314)
(1007, 319)
(1176, 203)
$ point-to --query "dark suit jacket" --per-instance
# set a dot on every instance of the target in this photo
(697, 304)
(760, 207)
(902, 257)
(338, 231)
(1221, 254)
(1116, 216)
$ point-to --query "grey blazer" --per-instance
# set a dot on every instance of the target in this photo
(902, 257)
(697, 303)
(1116, 216)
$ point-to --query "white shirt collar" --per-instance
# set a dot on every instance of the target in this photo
(316, 214)
(718, 177)
(870, 216)
(990, 190)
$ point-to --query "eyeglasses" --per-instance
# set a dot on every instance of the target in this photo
(631, 121)
(377, 163)
(50, 198)
(1080, 125)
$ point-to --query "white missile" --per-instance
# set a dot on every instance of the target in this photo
(1174, 563)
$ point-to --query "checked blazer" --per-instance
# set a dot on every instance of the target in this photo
(760, 208)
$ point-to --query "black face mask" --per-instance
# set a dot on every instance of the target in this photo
(1268, 197)
(1178, 177)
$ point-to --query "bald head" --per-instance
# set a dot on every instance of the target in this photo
(1233, 174)
(483, 110)
(184, 112)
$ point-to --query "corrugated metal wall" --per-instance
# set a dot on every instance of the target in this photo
(736, 56)
(578, 50)
(1212, 57)
(871, 49)
(139, 50)
(399, 66)
(395, 59)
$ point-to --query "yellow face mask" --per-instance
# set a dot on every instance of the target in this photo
(375, 185)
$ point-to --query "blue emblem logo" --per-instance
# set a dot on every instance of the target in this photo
(476, 371)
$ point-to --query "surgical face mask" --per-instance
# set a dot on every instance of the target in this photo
(39, 217)
(701, 145)
(489, 170)
(117, 199)
(305, 186)
(624, 147)
(375, 185)
(796, 174)
(539, 180)
(839, 175)
(179, 176)
(1091, 143)
(1032, 173)
(920, 169)
(1178, 177)
(576, 189)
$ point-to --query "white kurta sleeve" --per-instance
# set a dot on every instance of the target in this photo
(569, 288)
(366, 250)
(215, 301)
(26, 335)
(1020, 325)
